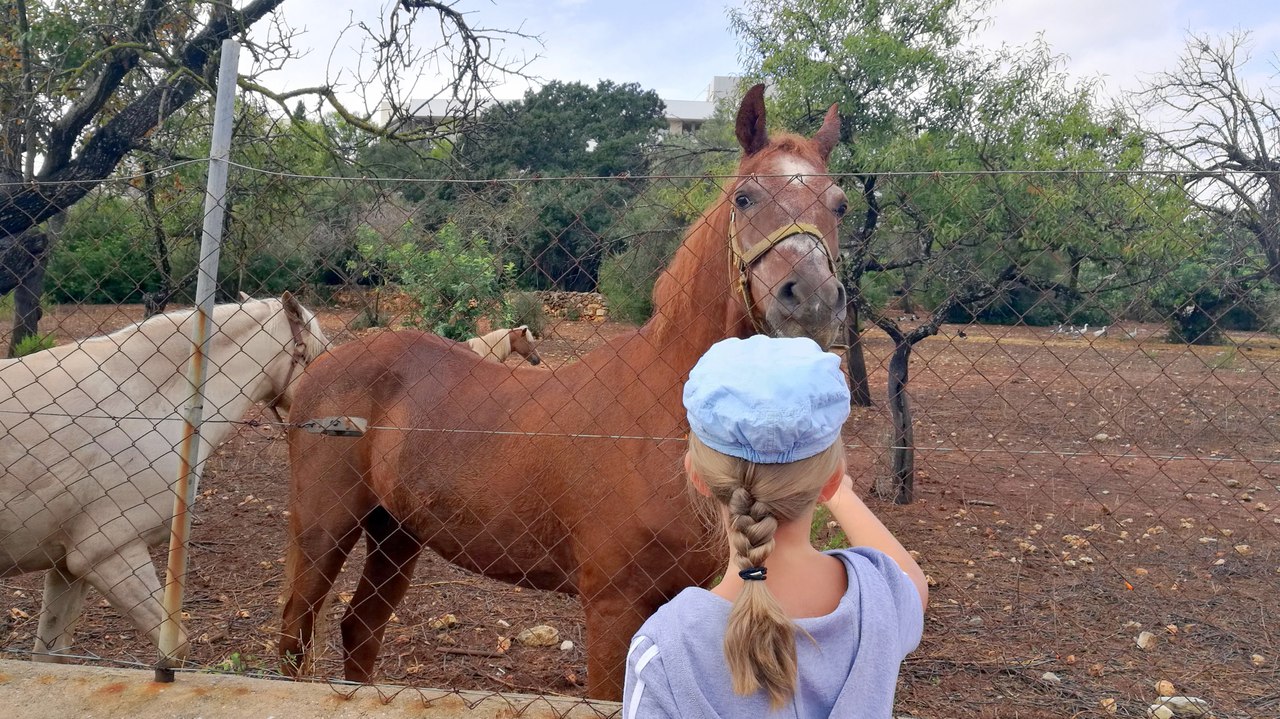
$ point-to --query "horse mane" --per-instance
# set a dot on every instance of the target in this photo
(704, 243)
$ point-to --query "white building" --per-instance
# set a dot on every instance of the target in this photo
(683, 116)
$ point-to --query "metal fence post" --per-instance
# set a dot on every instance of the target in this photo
(206, 282)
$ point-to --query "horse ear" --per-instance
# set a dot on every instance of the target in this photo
(244, 297)
(520, 330)
(750, 129)
(293, 310)
(829, 134)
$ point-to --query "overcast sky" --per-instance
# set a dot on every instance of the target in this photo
(676, 46)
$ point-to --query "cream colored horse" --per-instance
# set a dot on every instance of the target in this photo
(91, 446)
(498, 344)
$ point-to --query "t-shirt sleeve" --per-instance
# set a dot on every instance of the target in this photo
(905, 597)
(646, 692)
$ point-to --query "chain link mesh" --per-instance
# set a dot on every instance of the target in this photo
(1091, 442)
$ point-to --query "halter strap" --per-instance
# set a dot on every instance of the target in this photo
(298, 359)
(744, 260)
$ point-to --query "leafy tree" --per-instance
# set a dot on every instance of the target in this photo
(84, 84)
(567, 129)
(915, 101)
(1222, 137)
(564, 130)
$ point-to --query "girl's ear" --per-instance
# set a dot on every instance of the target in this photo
(829, 489)
(694, 479)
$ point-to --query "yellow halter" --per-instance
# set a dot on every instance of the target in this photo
(743, 261)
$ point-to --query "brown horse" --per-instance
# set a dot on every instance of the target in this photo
(566, 480)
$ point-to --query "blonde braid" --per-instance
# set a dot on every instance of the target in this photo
(759, 641)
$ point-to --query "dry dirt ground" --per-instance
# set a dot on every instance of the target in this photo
(1072, 494)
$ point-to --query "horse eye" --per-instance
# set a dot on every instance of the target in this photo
(742, 201)
(841, 210)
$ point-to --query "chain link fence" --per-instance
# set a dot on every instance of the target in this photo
(1087, 464)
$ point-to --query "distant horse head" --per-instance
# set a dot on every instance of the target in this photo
(524, 343)
(783, 215)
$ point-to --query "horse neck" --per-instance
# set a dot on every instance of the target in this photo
(694, 302)
(242, 357)
(494, 345)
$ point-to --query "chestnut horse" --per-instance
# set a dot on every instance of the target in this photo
(566, 480)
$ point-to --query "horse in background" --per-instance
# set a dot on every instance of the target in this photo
(499, 344)
(91, 449)
(566, 480)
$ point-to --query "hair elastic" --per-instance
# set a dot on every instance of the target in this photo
(753, 574)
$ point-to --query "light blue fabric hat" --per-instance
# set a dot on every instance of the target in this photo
(767, 400)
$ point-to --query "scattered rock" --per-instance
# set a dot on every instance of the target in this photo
(1231, 483)
(975, 621)
(1145, 640)
(1159, 711)
(503, 623)
(1050, 678)
(444, 621)
(542, 635)
(1257, 660)
(1164, 688)
(566, 646)
(1107, 705)
(1181, 707)
(1243, 550)
(1101, 437)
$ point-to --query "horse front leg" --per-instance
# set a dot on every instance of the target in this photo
(612, 615)
(128, 581)
(60, 611)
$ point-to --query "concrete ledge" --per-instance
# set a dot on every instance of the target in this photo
(37, 691)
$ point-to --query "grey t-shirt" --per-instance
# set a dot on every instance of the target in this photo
(676, 666)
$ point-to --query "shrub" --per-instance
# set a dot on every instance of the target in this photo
(454, 280)
(526, 309)
(101, 257)
(34, 343)
(627, 278)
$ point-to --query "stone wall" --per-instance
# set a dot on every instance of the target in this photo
(575, 305)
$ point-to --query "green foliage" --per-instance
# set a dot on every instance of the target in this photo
(454, 279)
(823, 536)
(627, 278)
(34, 343)
(101, 258)
(568, 129)
(525, 308)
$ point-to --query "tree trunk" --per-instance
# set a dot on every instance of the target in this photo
(29, 289)
(899, 484)
(855, 357)
(154, 303)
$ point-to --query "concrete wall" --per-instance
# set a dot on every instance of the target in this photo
(37, 691)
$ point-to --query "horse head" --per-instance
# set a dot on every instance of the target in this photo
(305, 341)
(524, 343)
(783, 215)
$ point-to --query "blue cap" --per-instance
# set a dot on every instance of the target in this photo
(767, 400)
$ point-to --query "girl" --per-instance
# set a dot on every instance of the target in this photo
(789, 631)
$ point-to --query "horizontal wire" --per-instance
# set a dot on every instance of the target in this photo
(616, 178)
(656, 438)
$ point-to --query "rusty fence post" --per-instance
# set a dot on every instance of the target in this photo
(189, 467)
